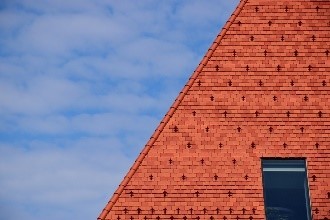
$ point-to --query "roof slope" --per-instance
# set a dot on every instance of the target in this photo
(262, 90)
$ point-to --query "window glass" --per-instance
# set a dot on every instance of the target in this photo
(286, 190)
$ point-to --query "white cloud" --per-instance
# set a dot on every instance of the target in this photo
(57, 34)
(62, 176)
(39, 95)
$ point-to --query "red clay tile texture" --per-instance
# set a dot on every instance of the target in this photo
(262, 90)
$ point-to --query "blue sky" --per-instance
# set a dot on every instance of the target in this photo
(83, 85)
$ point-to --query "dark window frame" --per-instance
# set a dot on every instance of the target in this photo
(285, 165)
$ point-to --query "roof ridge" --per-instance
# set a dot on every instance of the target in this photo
(171, 111)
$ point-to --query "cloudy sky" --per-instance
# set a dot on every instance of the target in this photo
(83, 85)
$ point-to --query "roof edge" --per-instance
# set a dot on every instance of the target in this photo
(171, 111)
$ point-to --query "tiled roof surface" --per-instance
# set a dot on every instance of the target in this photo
(262, 90)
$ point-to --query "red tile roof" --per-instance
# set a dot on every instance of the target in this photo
(262, 90)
